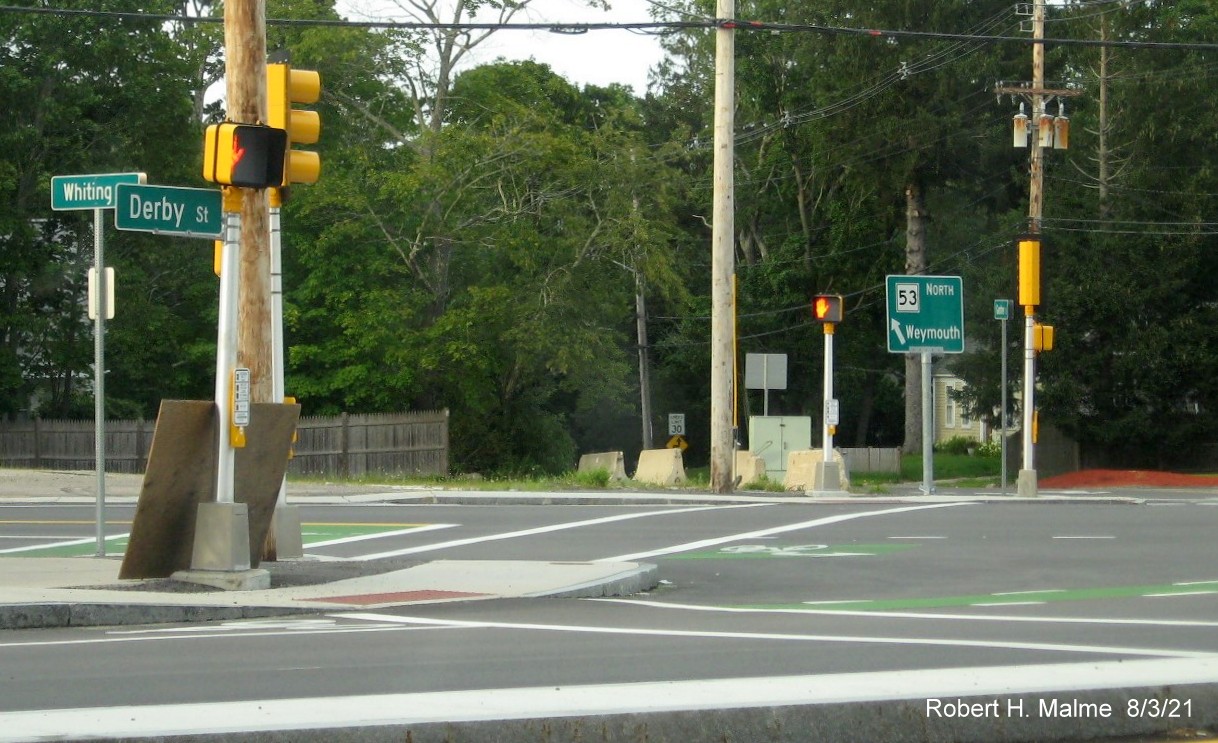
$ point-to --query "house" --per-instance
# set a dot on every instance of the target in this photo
(951, 420)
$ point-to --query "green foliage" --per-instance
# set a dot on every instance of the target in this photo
(990, 449)
(957, 445)
(764, 483)
(951, 467)
(598, 478)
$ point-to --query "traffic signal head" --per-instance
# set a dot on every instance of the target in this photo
(827, 308)
(244, 155)
(1029, 270)
(284, 87)
(1042, 337)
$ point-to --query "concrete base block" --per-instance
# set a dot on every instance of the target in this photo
(1025, 484)
(826, 476)
(227, 580)
(285, 530)
(222, 538)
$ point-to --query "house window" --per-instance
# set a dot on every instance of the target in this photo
(949, 412)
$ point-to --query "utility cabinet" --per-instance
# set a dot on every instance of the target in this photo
(772, 437)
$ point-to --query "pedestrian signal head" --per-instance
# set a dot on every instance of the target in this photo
(244, 155)
(827, 308)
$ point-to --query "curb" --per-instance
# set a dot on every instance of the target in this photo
(61, 614)
(84, 614)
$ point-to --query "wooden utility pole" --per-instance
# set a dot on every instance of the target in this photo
(915, 265)
(723, 255)
(245, 73)
(640, 318)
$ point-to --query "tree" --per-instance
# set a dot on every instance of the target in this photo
(489, 278)
(837, 136)
(74, 108)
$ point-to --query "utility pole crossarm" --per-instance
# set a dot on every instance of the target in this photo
(1041, 91)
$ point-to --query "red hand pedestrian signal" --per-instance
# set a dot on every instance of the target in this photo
(827, 308)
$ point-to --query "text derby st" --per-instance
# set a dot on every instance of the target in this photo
(192, 212)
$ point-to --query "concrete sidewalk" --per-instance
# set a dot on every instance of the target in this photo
(86, 591)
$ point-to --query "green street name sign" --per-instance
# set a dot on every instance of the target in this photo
(925, 313)
(166, 210)
(70, 192)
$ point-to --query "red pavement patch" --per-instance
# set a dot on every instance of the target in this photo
(1128, 478)
(403, 597)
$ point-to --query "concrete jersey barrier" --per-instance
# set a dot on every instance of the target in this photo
(801, 469)
(750, 467)
(660, 467)
(612, 462)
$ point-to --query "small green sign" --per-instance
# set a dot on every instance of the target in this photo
(1002, 309)
(925, 313)
(166, 210)
(69, 192)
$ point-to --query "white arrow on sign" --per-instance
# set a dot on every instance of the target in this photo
(896, 328)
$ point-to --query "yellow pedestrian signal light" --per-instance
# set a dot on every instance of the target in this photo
(285, 87)
(827, 308)
(1042, 337)
(243, 155)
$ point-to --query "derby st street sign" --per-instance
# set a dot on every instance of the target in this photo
(69, 192)
(925, 314)
(193, 212)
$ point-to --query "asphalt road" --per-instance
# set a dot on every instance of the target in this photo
(916, 596)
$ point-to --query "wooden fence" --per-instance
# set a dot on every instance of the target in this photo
(336, 446)
(354, 445)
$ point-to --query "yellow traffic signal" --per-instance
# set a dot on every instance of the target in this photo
(1029, 271)
(1042, 337)
(243, 155)
(827, 308)
(284, 87)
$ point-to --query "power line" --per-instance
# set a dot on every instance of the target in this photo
(569, 28)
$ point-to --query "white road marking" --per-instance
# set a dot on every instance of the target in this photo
(1011, 603)
(1084, 536)
(760, 533)
(67, 543)
(918, 537)
(205, 633)
(785, 636)
(38, 536)
(914, 615)
(380, 535)
(1024, 593)
(1182, 593)
(552, 528)
(335, 712)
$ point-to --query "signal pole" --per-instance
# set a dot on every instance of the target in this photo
(1044, 132)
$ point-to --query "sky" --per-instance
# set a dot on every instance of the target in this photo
(596, 57)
